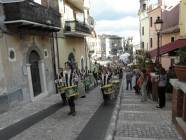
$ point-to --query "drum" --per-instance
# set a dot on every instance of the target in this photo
(108, 89)
(116, 86)
(61, 89)
(87, 83)
(71, 91)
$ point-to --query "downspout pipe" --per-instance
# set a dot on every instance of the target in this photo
(57, 52)
(86, 64)
(53, 59)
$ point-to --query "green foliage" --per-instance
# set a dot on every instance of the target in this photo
(144, 60)
(182, 53)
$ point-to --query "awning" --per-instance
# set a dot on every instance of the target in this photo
(169, 47)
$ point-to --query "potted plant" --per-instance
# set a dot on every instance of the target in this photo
(180, 68)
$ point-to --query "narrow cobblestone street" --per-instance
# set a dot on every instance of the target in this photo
(143, 121)
(54, 126)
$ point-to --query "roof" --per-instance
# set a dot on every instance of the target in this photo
(170, 18)
(169, 47)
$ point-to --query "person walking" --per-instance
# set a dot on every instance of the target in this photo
(162, 88)
(149, 85)
(129, 79)
(143, 82)
(63, 95)
(136, 86)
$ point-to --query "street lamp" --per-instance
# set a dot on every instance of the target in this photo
(158, 26)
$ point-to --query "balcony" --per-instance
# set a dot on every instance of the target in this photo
(31, 15)
(78, 4)
(76, 28)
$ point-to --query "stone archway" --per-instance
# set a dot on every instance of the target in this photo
(34, 60)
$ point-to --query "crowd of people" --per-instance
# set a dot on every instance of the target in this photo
(104, 74)
(143, 83)
(71, 77)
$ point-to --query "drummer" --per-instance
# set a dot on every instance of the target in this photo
(105, 75)
(63, 96)
(68, 74)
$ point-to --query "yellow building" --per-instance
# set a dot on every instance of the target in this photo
(26, 51)
(182, 19)
(153, 12)
(144, 24)
(72, 46)
(169, 35)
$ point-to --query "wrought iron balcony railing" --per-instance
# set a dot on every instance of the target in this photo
(31, 13)
(76, 28)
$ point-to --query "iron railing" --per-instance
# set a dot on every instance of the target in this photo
(33, 12)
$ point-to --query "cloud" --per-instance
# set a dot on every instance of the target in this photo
(117, 17)
(108, 9)
(126, 23)
(126, 27)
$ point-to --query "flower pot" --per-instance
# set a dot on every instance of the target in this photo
(181, 72)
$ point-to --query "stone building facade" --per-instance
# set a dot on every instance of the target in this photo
(76, 27)
(27, 67)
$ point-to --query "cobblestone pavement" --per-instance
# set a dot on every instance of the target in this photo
(143, 121)
(59, 126)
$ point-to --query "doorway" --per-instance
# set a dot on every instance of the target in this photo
(34, 59)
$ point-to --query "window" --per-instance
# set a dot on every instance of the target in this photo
(150, 21)
(172, 61)
(151, 43)
(144, 6)
(69, 14)
(142, 45)
(80, 17)
(172, 39)
(142, 30)
(45, 53)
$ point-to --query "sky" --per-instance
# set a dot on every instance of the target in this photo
(118, 17)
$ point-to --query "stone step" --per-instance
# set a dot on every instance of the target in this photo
(139, 116)
(146, 130)
(134, 101)
(131, 138)
(137, 107)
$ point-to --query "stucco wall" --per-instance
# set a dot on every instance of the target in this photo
(15, 72)
(166, 38)
(166, 62)
(71, 45)
(153, 34)
(2, 79)
(145, 37)
(182, 18)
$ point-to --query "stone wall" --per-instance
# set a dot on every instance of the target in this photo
(15, 78)
(179, 106)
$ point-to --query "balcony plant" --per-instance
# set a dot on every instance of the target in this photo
(180, 68)
(145, 62)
